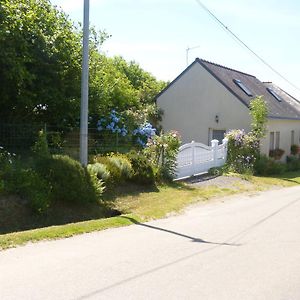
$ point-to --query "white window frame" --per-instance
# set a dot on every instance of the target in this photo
(292, 137)
(272, 140)
(277, 140)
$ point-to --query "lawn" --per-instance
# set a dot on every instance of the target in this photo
(134, 204)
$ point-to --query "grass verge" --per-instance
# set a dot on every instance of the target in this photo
(140, 205)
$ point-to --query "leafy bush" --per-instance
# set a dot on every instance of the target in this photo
(113, 169)
(258, 113)
(123, 163)
(292, 163)
(243, 150)
(100, 170)
(215, 171)
(40, 148)
(142, 169)
(143, 133)
(113, 123)
(268, 166)
(70, 182)
(28, 184)
(118, 165)
(276, 153)
(162, 152)
(98, 185)
(6, 161)
(294, 149)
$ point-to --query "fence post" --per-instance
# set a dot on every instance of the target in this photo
(225, 143)
(214, 146)
(193, 157)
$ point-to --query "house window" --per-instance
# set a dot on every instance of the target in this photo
(242, 87)
(272, 141)
(273, 93)
(277, 139)
(218, 135)
(292, 137)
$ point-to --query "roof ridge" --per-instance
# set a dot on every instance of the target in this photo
(224, 67)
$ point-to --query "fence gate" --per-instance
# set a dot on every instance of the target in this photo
(196, 158)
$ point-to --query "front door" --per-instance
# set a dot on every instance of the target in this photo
(218, 135)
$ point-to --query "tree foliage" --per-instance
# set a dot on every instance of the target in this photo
(40, 70)
(39, 62)
(243, 148)
(258, 113)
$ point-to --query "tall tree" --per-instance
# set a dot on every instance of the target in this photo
(39, 63)
(40, 69)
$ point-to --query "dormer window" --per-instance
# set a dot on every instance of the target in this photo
(242, 87)
(273, 93)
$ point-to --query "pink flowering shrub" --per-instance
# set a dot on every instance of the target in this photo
(243, 150)
(162, 152)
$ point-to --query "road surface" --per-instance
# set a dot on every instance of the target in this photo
(242, 247)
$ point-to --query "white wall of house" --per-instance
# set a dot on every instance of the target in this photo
(286, 137)
(190, 105)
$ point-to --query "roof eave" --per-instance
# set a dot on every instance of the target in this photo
(223, 83)
(284, 118)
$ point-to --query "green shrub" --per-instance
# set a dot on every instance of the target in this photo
(98, 185)
(276, 153)
(123, 164)
(113, 169)
(268, 166)
(292, 163)
(242, 152)
(40, 148)
(142, 169)
(30, 185)
(70, 182)
(162, 152)
(243, 148)
(100, 170)
(294, 149)
(215, 171)
(6, 161)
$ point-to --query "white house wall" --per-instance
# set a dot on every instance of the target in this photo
(190, 105)
(285, 128)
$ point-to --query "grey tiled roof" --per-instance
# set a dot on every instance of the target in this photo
(288, 108)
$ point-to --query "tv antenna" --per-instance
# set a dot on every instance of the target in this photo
(187, 53)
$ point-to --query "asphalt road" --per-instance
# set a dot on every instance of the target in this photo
(244, 247)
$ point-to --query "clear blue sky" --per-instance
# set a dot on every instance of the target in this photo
(156, 33)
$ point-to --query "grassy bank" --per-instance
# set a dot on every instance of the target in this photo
(137, 204)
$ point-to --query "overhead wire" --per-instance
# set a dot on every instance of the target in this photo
(241, 42)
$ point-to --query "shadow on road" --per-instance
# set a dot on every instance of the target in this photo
(235, 238)
(193, 239)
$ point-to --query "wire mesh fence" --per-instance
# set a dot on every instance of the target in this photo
(19, 139)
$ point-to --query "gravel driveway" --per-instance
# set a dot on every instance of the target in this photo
(219, 181)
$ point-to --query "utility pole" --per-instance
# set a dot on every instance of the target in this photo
(85, 87)
(187, 53)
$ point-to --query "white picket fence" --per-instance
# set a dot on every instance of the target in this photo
(196, 158)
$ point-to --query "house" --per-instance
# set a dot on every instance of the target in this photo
(206, 100)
